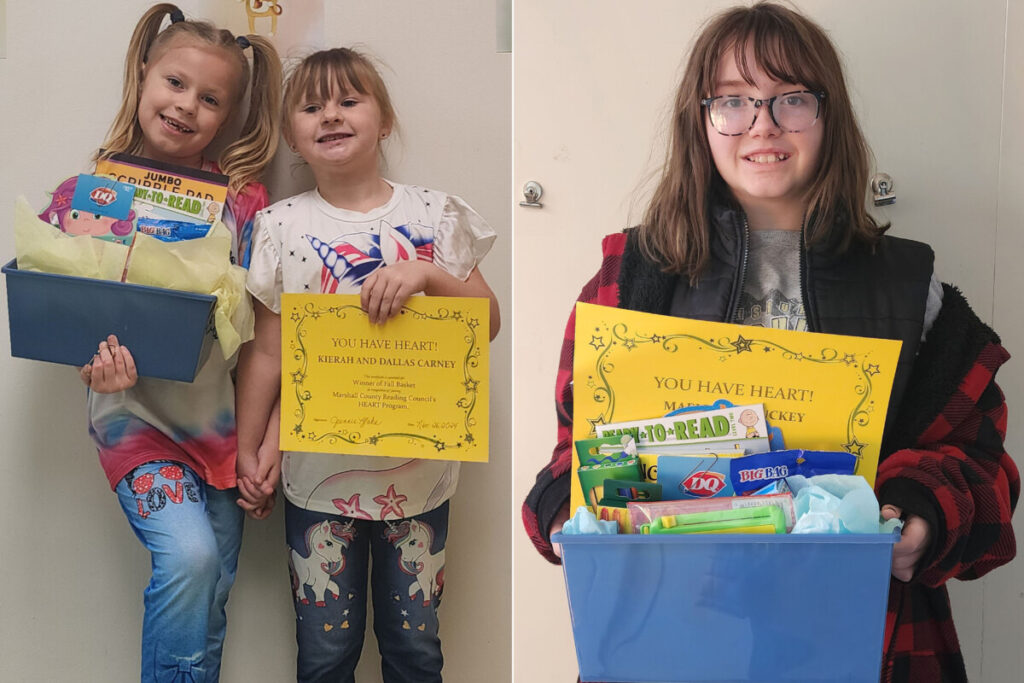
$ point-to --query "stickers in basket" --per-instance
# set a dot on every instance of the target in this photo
(101, 208)
(103, 197)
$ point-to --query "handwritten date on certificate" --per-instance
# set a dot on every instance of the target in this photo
(414, 387)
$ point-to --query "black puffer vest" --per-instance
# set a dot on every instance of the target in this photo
(862, 292)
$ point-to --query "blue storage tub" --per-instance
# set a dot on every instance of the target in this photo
(62, 319)
(738, 607)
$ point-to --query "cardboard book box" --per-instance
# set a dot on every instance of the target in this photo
(62, 319)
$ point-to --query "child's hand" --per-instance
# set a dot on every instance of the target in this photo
(388, 288)
(111, 370)
(256, 505)
(255, 499)
(912, 544)
(556, 525)
(258, 476)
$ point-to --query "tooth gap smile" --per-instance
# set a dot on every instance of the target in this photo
(176, 125)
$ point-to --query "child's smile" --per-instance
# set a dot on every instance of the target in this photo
(342, 132)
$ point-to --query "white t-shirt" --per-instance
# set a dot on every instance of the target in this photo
(306, 245)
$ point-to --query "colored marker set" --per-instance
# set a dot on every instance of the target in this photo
(756, 520)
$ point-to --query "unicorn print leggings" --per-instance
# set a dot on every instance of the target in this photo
(329, 558)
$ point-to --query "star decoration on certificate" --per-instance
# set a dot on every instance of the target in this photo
(741, 344)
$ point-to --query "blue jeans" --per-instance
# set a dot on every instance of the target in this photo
(193, 533)
(329, 561)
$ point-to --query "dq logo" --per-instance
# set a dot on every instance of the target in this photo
(704, 484)
(103, 196)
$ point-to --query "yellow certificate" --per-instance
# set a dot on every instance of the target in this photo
(824, 391)
(415, 387)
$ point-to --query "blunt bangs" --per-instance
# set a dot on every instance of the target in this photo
(780, 49)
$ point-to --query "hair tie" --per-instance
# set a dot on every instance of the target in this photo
(243, 42)
(176, 16)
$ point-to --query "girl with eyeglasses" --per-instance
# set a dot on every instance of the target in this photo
(759, 218)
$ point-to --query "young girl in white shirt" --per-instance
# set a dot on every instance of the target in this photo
(354, 233)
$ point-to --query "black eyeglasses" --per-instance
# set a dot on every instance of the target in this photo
(792, 111)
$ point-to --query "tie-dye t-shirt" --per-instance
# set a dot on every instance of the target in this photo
(188, 422)
(306, 245)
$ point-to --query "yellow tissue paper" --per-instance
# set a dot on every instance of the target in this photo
(201, 265)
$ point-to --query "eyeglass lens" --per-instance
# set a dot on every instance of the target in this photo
(792, 112)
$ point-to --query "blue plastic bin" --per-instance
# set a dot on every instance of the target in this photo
(61, 319)
(740, 607)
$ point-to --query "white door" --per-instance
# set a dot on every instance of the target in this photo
(594, 80)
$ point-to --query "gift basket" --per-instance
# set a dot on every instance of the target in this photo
(702, 547)
(147, 260)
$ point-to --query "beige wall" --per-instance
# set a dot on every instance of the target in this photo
(71, 572)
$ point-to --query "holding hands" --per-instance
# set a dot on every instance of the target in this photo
(111, 370)
(258, 476)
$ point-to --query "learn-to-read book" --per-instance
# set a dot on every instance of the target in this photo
(733, 428)
(168, 191)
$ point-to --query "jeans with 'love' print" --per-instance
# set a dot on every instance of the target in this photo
(193, 533)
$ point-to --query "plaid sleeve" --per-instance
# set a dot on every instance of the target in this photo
(956, 472)
(550, 492)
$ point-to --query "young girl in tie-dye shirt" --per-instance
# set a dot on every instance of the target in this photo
(168, 448)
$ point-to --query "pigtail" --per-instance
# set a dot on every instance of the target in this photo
(244, 160)
(124, 134)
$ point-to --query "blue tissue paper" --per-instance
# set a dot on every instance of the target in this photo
(837, 504)
(585, 522)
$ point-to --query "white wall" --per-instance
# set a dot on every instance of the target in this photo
(71, 572)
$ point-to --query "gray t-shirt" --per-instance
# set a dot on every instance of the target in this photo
(771, 286)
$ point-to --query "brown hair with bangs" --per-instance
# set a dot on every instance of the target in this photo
(341, 69)
(790, 48)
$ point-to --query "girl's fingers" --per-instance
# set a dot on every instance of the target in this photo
(267, 507)
(249, 508)
(272, 476)
(400, 298)
(118, 360)
(364, 292)
(266, 473)
(103, 364)
(129, 365)
(392, 296)
(377, 300)
(85, 372)
(370, 296)
(891, 512)
(249, 492)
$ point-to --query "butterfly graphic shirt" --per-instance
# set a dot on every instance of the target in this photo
(305, 245)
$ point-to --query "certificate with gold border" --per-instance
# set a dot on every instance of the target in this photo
(824, 391)
(414, 387)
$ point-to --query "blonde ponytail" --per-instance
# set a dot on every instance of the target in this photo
(125, 135)
(244, 160)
